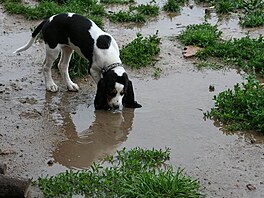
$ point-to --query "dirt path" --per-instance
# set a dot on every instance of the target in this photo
(38, 127)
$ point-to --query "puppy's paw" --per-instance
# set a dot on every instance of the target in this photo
(52, 87)
(73, 87)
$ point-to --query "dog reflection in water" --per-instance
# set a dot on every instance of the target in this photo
(102, 138)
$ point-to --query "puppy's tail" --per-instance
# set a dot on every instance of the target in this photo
(33, 37)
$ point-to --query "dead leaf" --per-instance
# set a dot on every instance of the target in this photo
(7, 152)
(190, 51)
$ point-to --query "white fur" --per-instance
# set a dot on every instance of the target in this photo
(119, 70)
(70, 14)
(117, 100)
(51, 18)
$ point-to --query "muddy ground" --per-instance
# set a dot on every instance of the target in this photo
(39, 128)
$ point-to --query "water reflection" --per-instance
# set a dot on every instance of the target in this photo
(92, 135)
(103, 136)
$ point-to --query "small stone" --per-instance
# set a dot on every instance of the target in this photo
(211, 88)
(50, 162)
(251, 187)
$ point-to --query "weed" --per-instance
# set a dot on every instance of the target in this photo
(253, 19)
(134, 173)
(147, 10)
(157, 73)
(141, 51)
(251, 11)
(209, 64)
(225, 7)
(173, 5)
(117, 1)
(137, 14)
(123, 16)
(200, 35)
(78, 66)
(48, 8)
(241, 108)
(247, 53)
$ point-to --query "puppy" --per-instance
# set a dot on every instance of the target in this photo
(68, 32)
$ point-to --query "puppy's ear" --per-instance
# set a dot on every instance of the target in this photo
(129, 97)
(100, 101)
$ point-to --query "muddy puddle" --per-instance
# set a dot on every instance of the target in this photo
(50, 133)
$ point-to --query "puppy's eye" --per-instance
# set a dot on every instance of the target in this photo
(122, 92)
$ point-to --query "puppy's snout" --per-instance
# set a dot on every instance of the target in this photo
(115, 106)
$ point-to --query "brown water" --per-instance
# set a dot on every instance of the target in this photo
(65, 128)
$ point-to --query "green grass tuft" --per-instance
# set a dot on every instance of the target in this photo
(48, 8)
(225, 7)
(200, 35)
(251, 12)
(247, 53)
(137, 14)
(173, 5)
(253, 19)
(117, 1)
(141, 51)
(241, 108)
(134, 173)
(123, 16)
(149, 10)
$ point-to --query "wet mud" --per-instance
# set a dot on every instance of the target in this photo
(47, 133)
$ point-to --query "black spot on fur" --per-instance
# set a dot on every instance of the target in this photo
(103, 42)
(63, 28)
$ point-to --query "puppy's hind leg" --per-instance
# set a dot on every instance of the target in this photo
(51, 55)
(66, 53)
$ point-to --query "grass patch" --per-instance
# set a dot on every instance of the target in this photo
(134, 173)
(201, 35)
(241, 108)
(88, 8)
(117, 1)
(173, 5)
(209, 65)
(246, 53)
(225, 6)
(141, 51)
(150, 10)
(123, 16)
(137, 14)
(251, 11)
(157, 73)
(253, 19)
(78, 66)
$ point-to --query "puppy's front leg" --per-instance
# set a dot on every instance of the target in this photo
(51, 55)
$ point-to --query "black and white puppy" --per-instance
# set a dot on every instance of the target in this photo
(68, 32)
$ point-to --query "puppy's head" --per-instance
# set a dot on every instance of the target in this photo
(111, 90)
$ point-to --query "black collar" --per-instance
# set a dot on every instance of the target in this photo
(109, 67)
